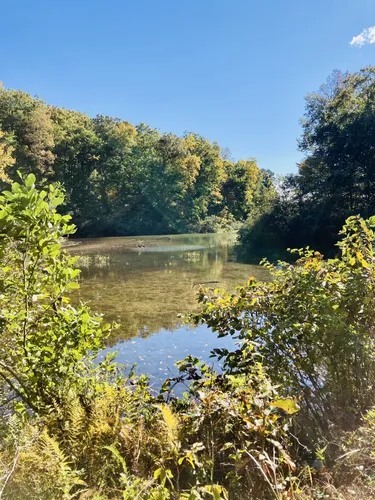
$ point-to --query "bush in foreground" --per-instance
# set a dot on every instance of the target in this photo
(281, 420)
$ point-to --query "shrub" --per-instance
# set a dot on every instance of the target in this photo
(45, 340)
(313, 324)
(301, 378)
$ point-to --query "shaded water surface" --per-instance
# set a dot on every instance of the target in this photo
(144, 283)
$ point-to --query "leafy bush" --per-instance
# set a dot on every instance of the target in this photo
(283, 419)
(222, 223)
(45, 339)
(313, 324)
(241, 424)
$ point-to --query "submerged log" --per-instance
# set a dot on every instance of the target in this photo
(204, 282)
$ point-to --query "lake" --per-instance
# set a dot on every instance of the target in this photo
(144, 283)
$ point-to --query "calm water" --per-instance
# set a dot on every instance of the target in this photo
(144, 283)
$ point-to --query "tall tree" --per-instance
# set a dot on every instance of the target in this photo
(29, 121)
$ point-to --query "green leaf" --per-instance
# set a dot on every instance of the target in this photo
(158, 473)
(73, 285)
(30, 180)
(288, 405)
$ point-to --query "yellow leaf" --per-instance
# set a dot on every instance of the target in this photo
(289, 405)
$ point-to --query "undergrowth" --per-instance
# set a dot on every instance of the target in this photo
(291, 415)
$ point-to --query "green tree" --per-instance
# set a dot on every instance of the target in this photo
(336, 179)
(76, 156)
(211, 173)
(6, 158)
(29, 121)
(120, 179)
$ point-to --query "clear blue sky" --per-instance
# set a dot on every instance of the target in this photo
(235, 71)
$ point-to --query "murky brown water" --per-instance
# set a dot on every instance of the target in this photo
(144, 283)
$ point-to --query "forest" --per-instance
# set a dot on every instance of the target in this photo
(290, 413)
(336, 178)
(121, 179)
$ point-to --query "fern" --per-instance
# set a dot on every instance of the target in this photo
(76, 419)
(67, 478)
(120, 459)
(172, 424)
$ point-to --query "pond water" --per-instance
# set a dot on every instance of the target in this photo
(144, 283)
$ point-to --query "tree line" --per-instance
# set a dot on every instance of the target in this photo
(336, 178)
(122, 179)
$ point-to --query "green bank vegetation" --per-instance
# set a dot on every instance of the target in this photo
(336, 179)
(289, 416)
(291, 413)
(121, 179)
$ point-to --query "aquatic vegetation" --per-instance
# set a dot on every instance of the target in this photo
(97, 260)
(101, 261)
(191, 256)
(83, 261)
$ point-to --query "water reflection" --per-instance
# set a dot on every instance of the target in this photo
(145, 287)
(156, 355)
(145, 283)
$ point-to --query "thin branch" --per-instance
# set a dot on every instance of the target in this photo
(23, 395)
(9, 474)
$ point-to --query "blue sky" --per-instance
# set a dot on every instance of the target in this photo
(235, 71)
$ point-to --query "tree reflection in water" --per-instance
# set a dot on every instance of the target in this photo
(145, 288)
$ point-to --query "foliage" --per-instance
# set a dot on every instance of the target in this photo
(27, 121)
(336, 179)
(241, 434)
(229, 436)
(221, 223)
(44, 337)
(125, 180)
(281, 419)
(313, 324)
(41, 469)
(355, 465)
(6, 159)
